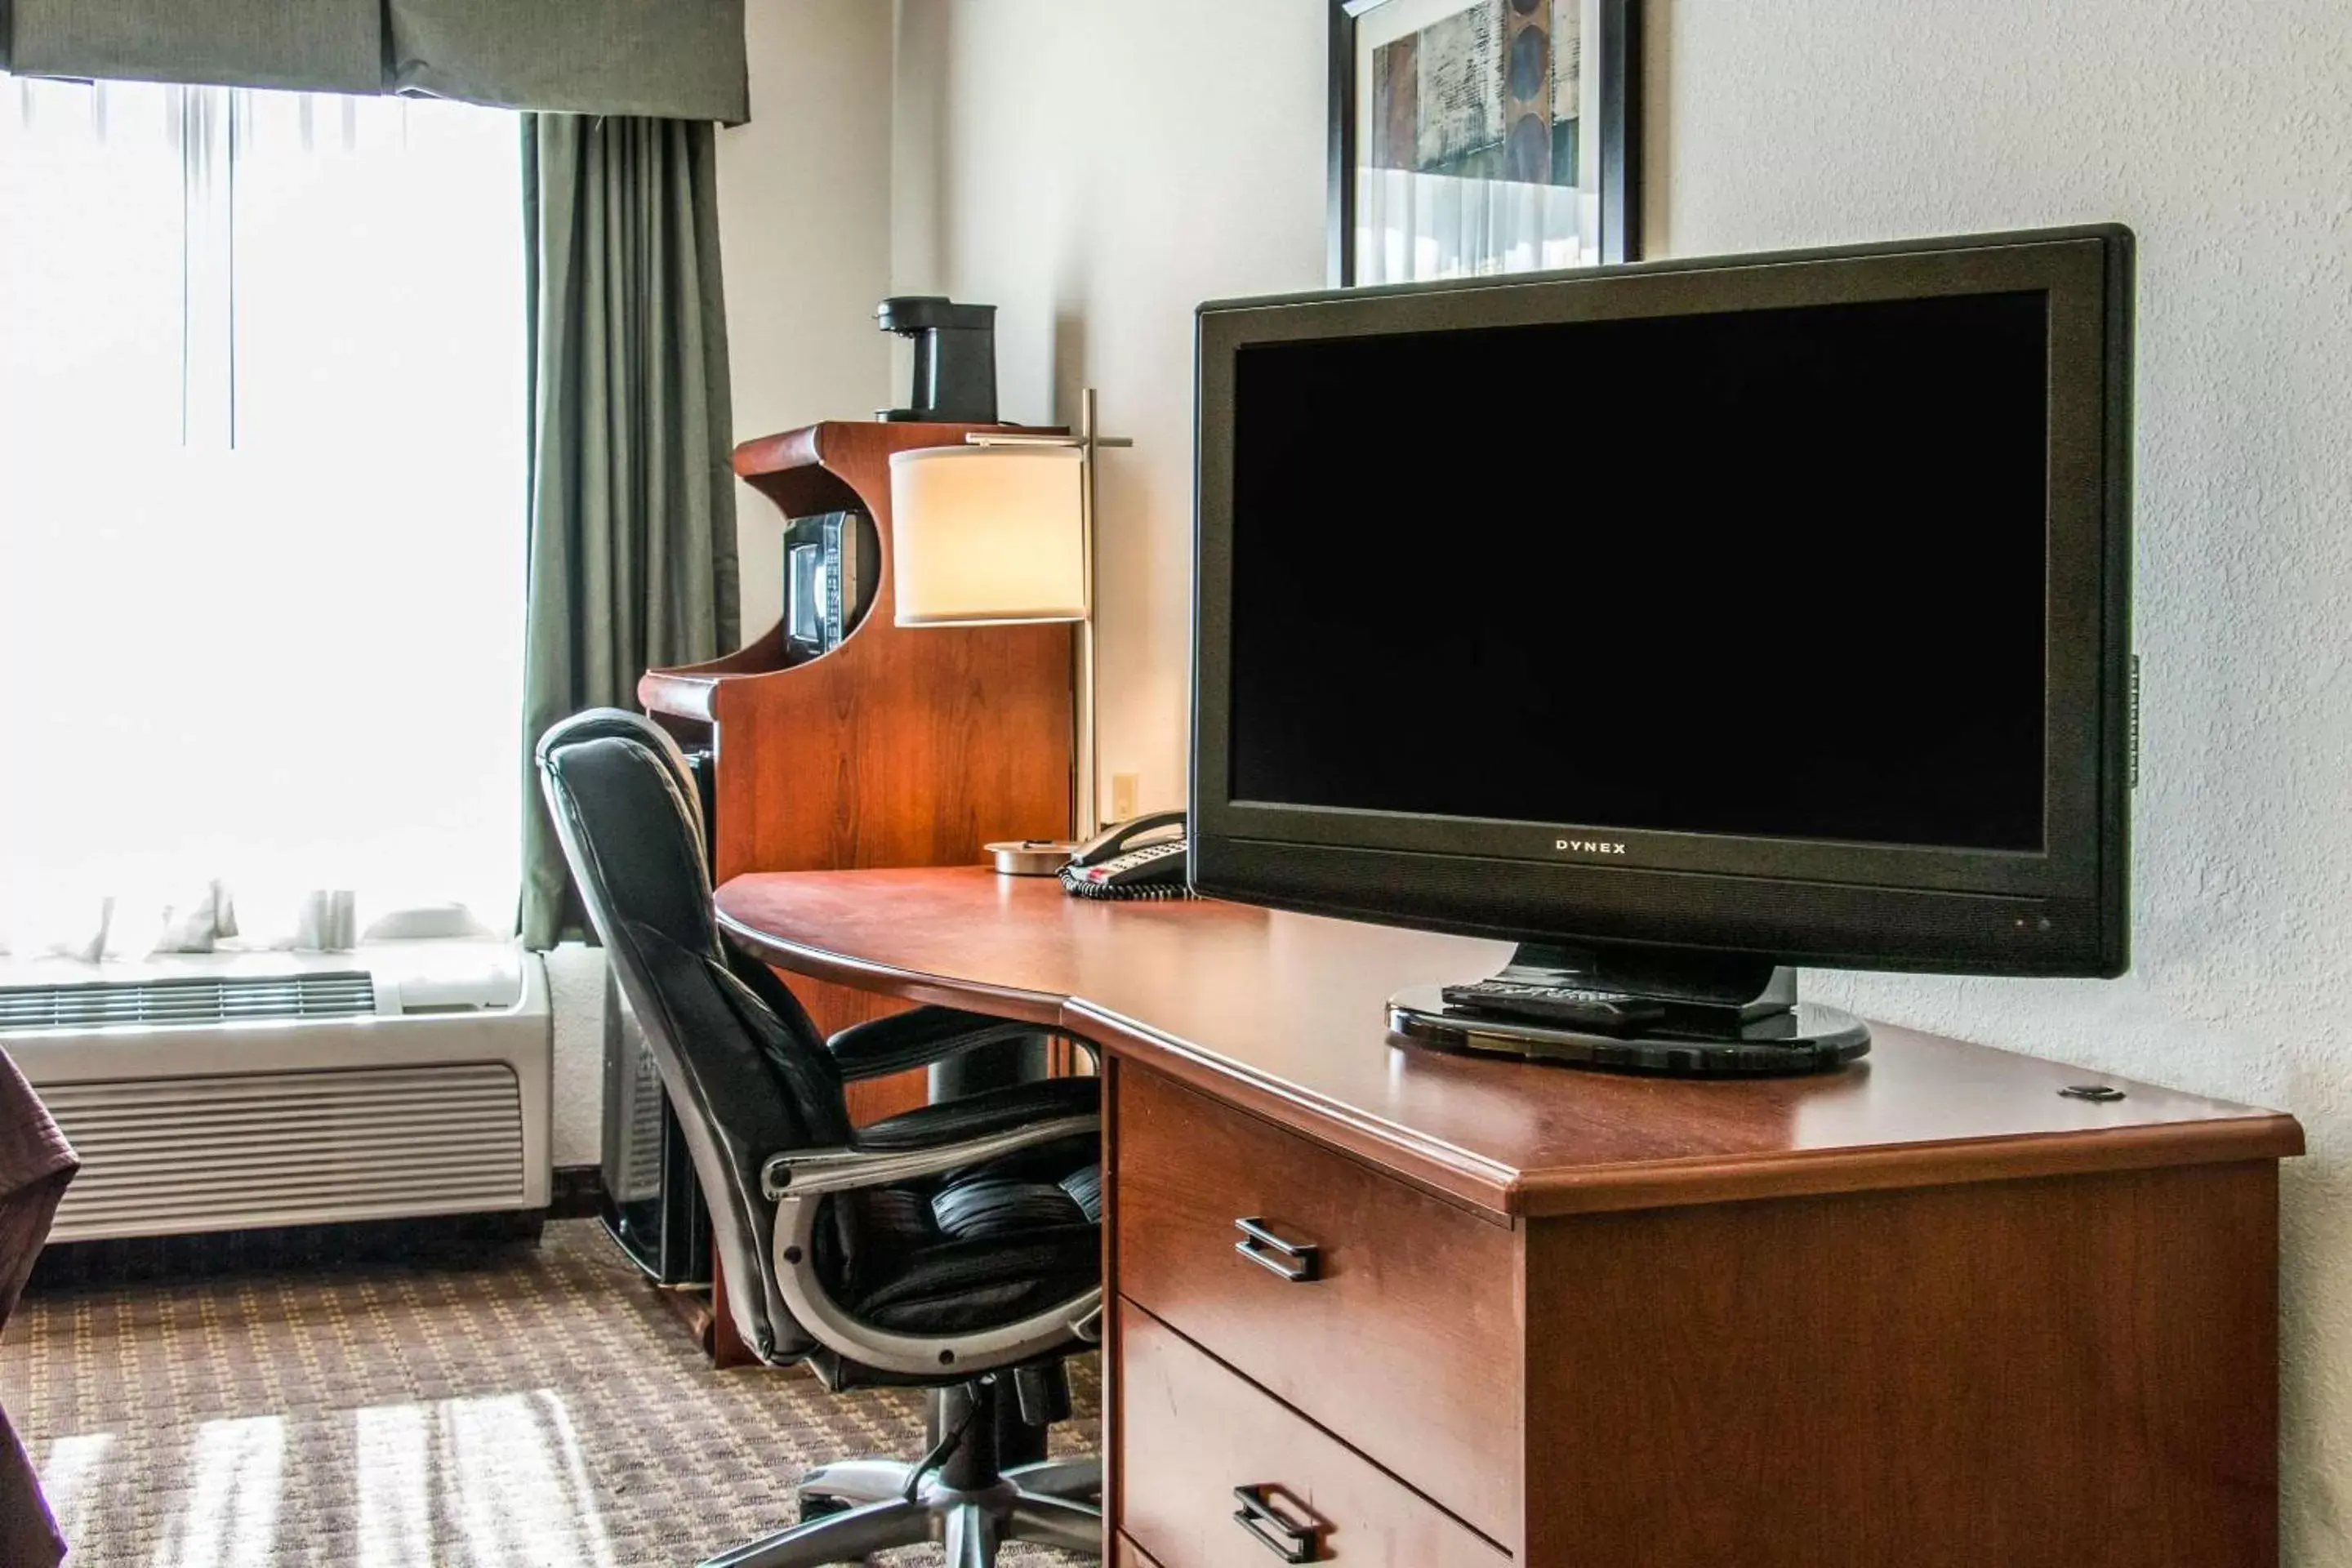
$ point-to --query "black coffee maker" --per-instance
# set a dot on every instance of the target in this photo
(955, 358)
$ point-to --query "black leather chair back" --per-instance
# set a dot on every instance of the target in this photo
(748, 1074)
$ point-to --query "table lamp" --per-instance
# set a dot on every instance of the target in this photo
(1001, 531)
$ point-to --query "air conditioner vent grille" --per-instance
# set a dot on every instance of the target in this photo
(233, 1151)
(197, 1000)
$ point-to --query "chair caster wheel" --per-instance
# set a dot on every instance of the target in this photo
(814, 1506)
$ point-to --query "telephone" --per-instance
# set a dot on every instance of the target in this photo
(1112, 866)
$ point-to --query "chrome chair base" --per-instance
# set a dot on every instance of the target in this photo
(1049, 1504)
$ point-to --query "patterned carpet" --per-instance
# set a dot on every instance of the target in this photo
(509, 1407)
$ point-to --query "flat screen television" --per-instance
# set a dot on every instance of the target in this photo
(1683, 622)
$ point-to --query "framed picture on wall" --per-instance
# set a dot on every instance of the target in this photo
(1473, 137)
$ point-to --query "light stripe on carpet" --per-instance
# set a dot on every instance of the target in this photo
(518, 1407)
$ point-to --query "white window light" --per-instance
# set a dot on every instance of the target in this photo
(262, 470)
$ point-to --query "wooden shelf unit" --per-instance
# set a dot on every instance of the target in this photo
(904, 746)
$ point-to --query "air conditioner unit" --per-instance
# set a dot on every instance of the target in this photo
(236, 1092)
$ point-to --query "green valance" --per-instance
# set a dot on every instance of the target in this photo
(332, 45)
(676, 59)
(661, 58)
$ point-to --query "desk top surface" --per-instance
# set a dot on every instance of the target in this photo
(1283, 1015)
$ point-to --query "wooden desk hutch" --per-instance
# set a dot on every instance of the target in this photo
(902, 747)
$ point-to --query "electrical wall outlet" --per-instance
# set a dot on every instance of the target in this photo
(1124, 788)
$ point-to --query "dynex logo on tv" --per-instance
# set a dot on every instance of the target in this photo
(1588, 846)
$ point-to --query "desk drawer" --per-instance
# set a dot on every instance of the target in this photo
(1191, 1432)
(1406, 1344)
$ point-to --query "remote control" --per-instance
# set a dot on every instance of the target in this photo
(1571, 1005)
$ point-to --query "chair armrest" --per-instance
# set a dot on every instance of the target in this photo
(918, 1038)
(811, 1172)
(996, 1110)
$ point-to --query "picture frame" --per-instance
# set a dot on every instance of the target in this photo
(1480, 137)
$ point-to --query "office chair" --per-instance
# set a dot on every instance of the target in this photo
(956, 1246)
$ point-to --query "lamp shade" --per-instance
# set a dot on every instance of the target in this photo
(982, 535)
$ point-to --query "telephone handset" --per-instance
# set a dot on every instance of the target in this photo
(1120, 835)
(1115, 865)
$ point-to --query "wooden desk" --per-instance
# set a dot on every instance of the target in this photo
(1925, 1312)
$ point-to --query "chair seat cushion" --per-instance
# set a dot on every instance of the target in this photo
(956, 1286)
(983, 1250)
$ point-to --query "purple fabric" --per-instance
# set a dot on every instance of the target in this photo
(36, 1163)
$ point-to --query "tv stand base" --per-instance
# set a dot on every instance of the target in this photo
(1645, 1011)
(1824, 1038)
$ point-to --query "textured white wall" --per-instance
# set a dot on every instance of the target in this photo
(575, 1000)
(2222, 133)
(804, 239)
(1095, 170)
(1098, 170)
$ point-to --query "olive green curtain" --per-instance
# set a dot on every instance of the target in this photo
(632, 541)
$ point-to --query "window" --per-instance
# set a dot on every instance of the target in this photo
(262, 498)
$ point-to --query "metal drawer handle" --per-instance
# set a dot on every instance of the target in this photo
(1290, 1540)
(1296, 1261)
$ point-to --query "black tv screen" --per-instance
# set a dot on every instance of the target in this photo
(1776, 606)
(1772, 573)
